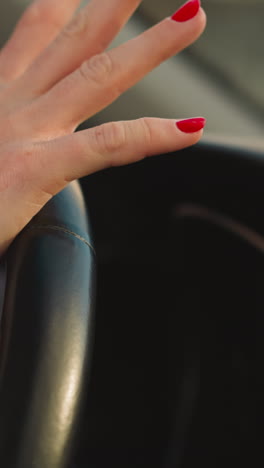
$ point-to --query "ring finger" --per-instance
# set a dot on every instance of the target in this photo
(38, 26)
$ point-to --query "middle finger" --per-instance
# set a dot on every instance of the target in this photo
(90, 32)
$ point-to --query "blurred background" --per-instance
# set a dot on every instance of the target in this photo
(220, 77)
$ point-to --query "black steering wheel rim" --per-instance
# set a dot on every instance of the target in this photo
(46, 333)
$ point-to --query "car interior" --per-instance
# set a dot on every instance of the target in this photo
(131, 305)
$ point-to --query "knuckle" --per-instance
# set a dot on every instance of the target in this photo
(39, 13)
(110, 137)
(98, 68)
(77, 26)
(32, 14)
(146, 130)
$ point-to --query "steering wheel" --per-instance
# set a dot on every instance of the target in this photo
(46, 333)
(195, 216)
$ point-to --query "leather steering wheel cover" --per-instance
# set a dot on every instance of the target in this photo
(46, 334)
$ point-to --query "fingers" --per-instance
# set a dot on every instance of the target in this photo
(90, 32)
(117, 143)
(101, 79)
(38, 26)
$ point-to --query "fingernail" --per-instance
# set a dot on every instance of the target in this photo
(191, 125)
(187, 11)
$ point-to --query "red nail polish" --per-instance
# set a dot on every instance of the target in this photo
(187, 11)
(191, 125)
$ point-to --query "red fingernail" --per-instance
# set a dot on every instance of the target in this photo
(191, 125)
(187, 11)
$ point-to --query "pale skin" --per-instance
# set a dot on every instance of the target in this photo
(55, 73)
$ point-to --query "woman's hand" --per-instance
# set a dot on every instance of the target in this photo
(54, 74)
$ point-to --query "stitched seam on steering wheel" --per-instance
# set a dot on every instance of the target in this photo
(66, 231)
